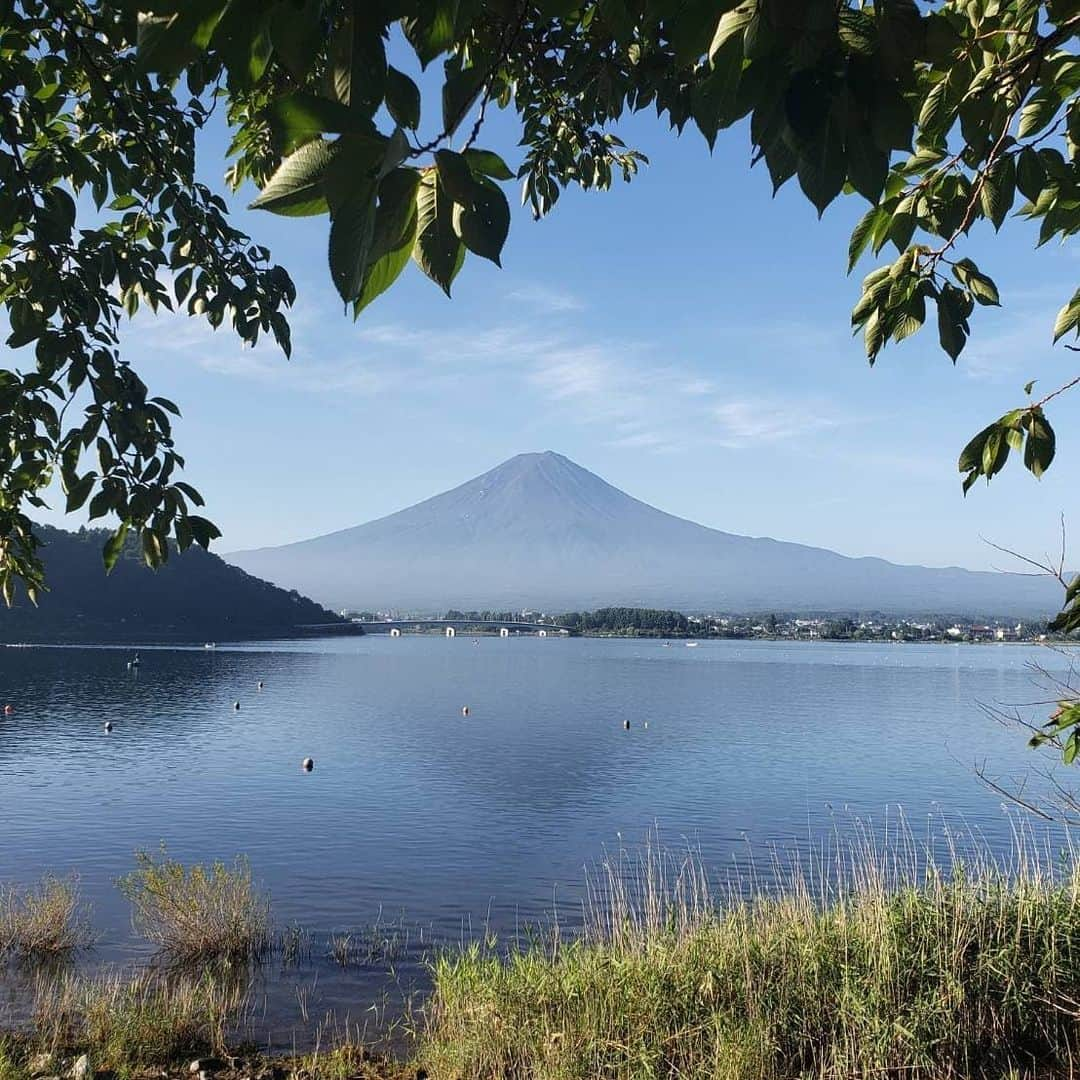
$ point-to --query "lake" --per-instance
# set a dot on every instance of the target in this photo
(419, 826)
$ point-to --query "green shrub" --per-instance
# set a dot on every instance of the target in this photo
(45, 921)
(198, 913)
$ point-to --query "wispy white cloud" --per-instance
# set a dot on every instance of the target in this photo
(545, 298)
(763, 420)
(619, 385)
(1013, 352)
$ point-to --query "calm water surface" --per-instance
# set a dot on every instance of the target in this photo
(435, 825)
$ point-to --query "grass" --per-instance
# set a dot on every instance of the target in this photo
(131, 1022)
(42, 922)
(11, 1060)
(200, 913)
(878, 966)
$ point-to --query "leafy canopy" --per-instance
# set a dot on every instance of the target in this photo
(942, 117)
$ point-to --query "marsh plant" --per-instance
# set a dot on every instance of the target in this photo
(199, 913)
(42, 922)
(867, 965)
(127, 1021)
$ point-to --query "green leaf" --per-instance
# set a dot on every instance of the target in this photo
(971, 455)
(351, 231)
(1041, 445)
(981, 287)
(361, 161)
(296, 35)
(952, 328)
(867, 166)
(732, 24)
(455, 176)
(438, 250)
(822, 168)
(383, 271)
(204, 531)
(858, 31)
(402, 99)
(995, 451)
(113, 546)
(397, 207)
(299, 117)
(154, 552)
(367, 60)
(165, 43)
(1068, 317)
(860, 237)
(891, 121)
(1030, 174)
(488, 163)
(460, 89)
(79, 492)
(432, 32)
(998, 190)
(297, 188)
(936, 111)
(484, 226)
(1038, 112)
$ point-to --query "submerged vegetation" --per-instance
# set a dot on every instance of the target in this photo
(198, 913)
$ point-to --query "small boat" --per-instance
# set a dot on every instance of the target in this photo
(691, 644)
(210, 645)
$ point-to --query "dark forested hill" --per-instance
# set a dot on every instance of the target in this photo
(193, 597)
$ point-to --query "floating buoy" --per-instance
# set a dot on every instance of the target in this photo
(130, 665)
(464, 710)
(9, 710)
(108, 725)
(626, 725)
(307, 765)
(646, 725)
(236, 705)
(259, 685)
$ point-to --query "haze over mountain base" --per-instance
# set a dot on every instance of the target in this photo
(541, 532)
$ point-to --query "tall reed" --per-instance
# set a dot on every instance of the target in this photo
(871, 961)
(126, 1021)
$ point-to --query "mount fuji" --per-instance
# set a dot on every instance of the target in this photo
(541, 532)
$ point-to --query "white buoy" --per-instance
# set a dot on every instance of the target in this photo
(646, 725)
(236, 705)
(308, 764)
(626, 725)
(108, 725)
(464, 710)
(259, 684)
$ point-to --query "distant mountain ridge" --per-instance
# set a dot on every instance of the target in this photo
(540, 531)
(194, 597)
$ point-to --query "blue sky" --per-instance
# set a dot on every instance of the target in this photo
(685, 336)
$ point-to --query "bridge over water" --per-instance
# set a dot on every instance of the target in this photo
(387, 626)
